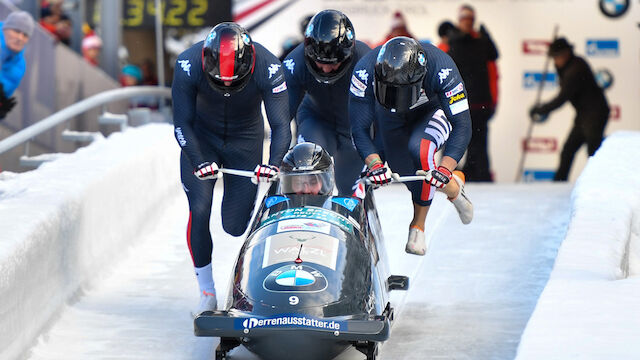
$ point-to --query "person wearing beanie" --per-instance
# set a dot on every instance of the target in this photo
(398, 28)
(16, 31)
(91, 46)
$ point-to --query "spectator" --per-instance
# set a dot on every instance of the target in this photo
(578, 86)
(91, 47)
(444, 31)
(131, 75)
(64, 29)
(398, 28)
(48, 21)
(16, 31)
(475, 54)
(148, 73)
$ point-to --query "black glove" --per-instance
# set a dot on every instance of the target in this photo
(537, 115)
(6, 105)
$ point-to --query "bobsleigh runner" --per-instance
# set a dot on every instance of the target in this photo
(311, 280)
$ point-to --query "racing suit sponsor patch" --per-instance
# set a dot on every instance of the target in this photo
(358, 83)
(459, 106)
(363, 75)
(280, 88)
(355, 91)
(456, 98)
(456, 90)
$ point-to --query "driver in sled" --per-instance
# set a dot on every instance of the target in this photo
(307, 169)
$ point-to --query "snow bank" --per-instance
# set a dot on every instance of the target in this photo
(590, 308)
(60, 225)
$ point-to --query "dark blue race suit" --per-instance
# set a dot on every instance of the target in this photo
(411, 138)
(321, 112)
(228, 130)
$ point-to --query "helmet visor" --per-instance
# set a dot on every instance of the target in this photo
(397, 97)
(312, 182)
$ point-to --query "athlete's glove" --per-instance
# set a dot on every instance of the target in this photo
(537, 115)
(207, 171)
(264, 173)
(379, 175)
(437, 177)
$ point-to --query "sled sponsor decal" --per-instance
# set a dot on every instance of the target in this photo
(289, 320)
(273, 200)
(303, 225)
(295, 278)
(348, 203)
(315, 248)
(310, 213)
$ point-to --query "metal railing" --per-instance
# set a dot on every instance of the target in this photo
(78, 108)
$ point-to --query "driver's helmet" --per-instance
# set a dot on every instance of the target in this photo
(307, 169)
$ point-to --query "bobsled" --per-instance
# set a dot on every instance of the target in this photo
(310, 281)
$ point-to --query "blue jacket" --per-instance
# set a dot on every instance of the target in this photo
(13, 67)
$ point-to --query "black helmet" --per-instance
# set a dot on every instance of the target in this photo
(400, 68)
(228, 55)
(306, 164)
(329, 39)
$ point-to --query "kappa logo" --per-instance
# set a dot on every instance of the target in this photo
(289, 64)
(186, 66)
(443, 74)
(363, 75)
(273, 69)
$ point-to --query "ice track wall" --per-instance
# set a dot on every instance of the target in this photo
(63, 223)
(590, 308)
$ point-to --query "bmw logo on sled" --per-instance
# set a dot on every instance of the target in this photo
(310, 281)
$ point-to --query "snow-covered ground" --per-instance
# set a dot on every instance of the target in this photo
(103, 296)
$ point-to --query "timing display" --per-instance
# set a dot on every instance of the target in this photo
(176, 13)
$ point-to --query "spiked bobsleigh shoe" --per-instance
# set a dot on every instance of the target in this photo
(463, 205)
(416, 244)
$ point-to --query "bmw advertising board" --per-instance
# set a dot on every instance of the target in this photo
(603, 47)
(531, 80)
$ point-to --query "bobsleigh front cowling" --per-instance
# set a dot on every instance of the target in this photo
(309, 276)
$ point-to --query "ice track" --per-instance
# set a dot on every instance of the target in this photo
(470, 297)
